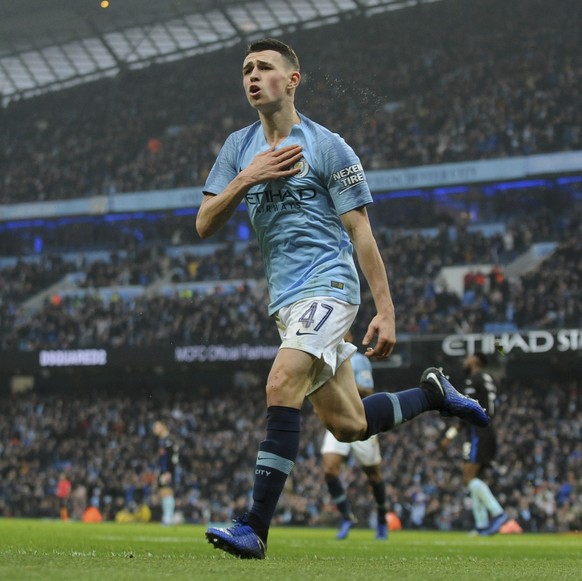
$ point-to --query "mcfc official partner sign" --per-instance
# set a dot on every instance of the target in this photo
(526, 341)
(203, 353)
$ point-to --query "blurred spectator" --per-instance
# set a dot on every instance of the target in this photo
(433, 84)
(235, 312)
(63, 493)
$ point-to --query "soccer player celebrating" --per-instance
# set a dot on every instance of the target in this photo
(334, 453)
(306, 194)
(479, 448)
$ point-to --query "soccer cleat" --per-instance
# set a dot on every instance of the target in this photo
(454, 403)
(495, 525)
(381, 532)
(239, 540)
(345, 526)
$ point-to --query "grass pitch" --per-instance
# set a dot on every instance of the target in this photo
(31, 549)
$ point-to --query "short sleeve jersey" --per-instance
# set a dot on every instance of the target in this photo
(362, 371)
(305, 249)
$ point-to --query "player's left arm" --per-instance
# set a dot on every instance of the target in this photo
(450, 433)
(383, 325)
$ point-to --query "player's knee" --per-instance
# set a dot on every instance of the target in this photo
(330, 474)
(349, 432)
(285, 388)
(283, 395)
(373, 474)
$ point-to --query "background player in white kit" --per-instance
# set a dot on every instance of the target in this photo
(335, 453)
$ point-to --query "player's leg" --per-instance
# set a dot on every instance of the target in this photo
(350, 418)
(312, 347)
(480, 514)
(339, 406)
(479, 490)
(64, 509)
(334, 454)
(290, 377)
(368, 454)
(478, 453)
(168, 503)
(334, 393)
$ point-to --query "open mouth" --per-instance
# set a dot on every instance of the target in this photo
(254, 90)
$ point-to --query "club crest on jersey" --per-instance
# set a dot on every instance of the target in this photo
(303, 166)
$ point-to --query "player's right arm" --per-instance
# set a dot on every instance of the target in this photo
(270, 165)
(215, 211)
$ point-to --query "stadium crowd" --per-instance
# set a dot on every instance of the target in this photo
(492, 80)
(487, 83)
(179, 312)
(105, 446)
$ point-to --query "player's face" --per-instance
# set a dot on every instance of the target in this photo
(268, 79)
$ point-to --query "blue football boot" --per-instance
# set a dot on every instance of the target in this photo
(381, 532)
(495, 525)
(345, 527)
(239, 540)
(454, 403)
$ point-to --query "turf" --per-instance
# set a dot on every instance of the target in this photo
(31, 549)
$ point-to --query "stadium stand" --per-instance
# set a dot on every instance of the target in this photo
(479, 86)
(105, 444)
(154, 295)
(417, 94)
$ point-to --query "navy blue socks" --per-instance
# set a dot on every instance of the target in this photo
(385, 411)
(379, 491)
(275, 459)
(338, 496)
(278, 451)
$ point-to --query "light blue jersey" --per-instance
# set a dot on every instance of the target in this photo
(362, 371)
(305, 248)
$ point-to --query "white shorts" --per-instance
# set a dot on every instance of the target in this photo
(317, 325)
(367, 452)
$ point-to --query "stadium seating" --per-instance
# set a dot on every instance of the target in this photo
(104, 442)
(475, 86)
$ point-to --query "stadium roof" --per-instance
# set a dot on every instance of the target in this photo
(51, 44)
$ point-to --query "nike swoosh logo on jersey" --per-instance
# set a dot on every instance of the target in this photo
(299, 333)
